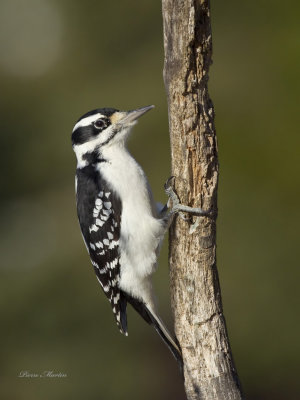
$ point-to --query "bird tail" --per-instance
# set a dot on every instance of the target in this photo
(166, 336)
(153, 319)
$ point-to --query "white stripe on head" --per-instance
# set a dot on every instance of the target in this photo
(87, 121)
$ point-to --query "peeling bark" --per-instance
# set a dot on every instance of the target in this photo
(200, 327)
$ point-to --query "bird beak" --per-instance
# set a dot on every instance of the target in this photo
(133, 115)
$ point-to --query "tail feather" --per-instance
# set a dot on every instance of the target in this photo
(148, 314)
(139, 307)
(123, 316)
(166, 336)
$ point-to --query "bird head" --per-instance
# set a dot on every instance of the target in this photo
(103, 127)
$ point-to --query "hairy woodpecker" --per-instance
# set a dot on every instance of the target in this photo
(121, 224)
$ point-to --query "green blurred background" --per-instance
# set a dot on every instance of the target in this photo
(60, 59)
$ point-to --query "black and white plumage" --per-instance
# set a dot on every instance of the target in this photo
(99, 213)
(121, 225)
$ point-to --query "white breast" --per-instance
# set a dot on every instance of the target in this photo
(141, 231)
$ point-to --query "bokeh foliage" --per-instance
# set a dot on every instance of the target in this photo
(54, 316)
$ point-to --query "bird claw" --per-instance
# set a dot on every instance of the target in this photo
(168, 186)
(169, 182)
(179, 208)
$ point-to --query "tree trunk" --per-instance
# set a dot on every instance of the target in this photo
(196, 299)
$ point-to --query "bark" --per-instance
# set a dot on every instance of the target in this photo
(200, 327)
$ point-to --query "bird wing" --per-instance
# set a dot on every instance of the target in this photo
(100, 225)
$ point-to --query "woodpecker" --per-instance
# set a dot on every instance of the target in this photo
(121, 225)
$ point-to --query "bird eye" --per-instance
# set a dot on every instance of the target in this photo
(100, 124)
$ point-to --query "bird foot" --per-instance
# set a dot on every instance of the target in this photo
(179, 208)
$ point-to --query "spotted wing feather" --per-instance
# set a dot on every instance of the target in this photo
(99, 212)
